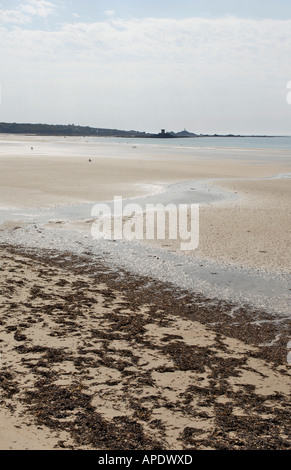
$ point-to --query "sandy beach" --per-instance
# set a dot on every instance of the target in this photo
(96, 355)
(254, 231)
(93, 361)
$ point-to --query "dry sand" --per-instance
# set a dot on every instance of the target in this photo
(48, 181)
(43, 178)
(253, 232)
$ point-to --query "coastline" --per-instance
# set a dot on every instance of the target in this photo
(70, 130)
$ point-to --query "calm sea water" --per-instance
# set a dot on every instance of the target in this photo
(276, 143)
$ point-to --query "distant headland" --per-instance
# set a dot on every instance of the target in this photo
(74, 131)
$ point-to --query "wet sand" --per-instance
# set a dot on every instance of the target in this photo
(253, 232)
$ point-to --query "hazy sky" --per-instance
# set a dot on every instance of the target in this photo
(208, 66)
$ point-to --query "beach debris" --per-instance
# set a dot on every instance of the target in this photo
(200, 370)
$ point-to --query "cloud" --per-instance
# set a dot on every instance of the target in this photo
(217, 72)
(109, 12)
(194, 42)
(41, 8)
(169, 39)
(25, 12)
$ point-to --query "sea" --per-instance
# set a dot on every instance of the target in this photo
(265, 142)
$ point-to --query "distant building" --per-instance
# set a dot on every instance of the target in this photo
(163, 131)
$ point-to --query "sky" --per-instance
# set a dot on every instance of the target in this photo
(211, 66)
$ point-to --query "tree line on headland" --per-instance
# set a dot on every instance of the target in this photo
(72, 130)
(86, 131)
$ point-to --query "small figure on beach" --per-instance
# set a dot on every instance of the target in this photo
(90, 160)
